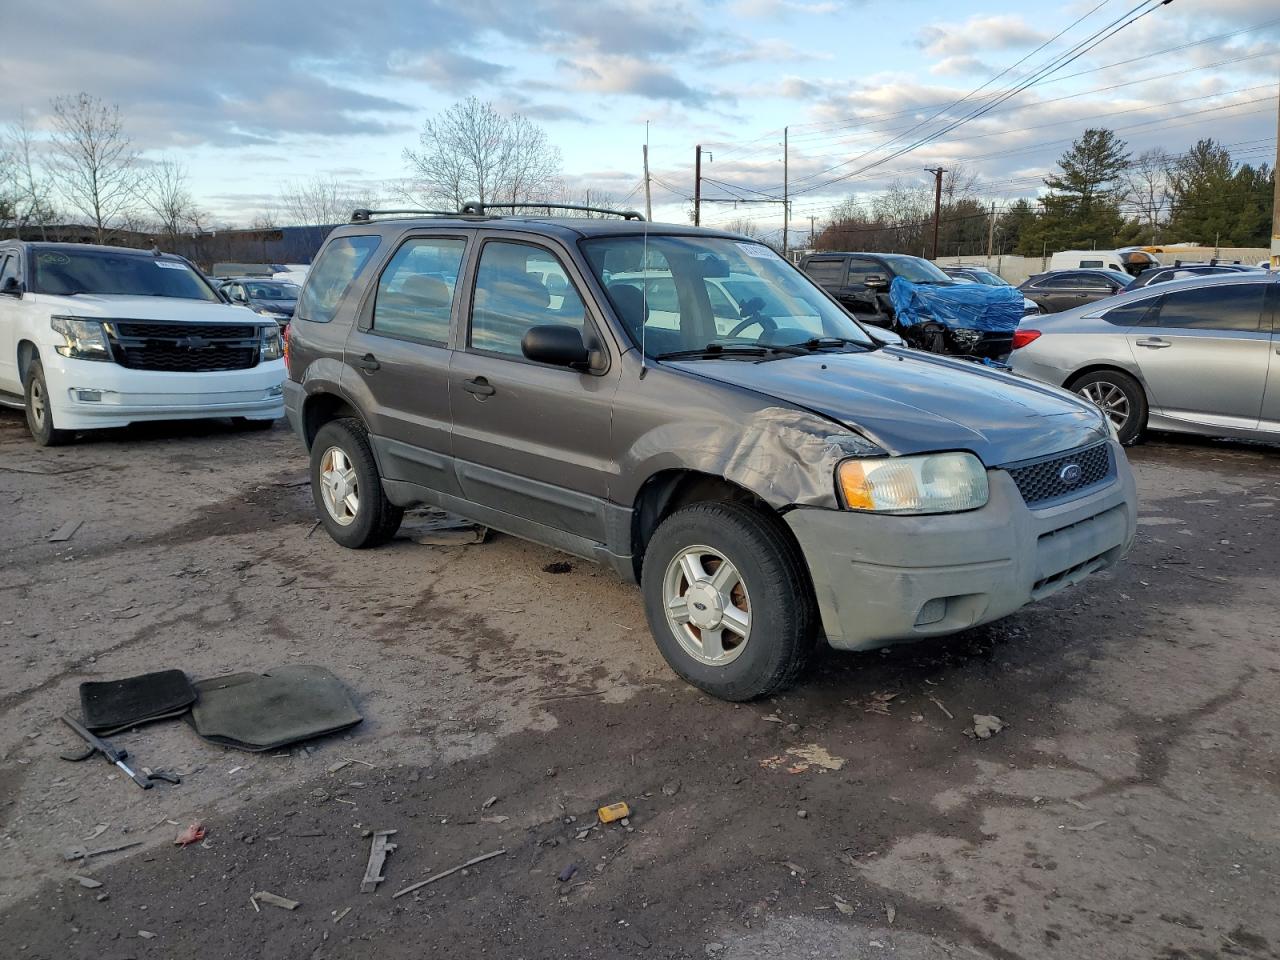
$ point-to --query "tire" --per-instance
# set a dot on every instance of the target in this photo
(781, 627)
(39, 414)
(1118, 391)
(246, 423)
(375, 519)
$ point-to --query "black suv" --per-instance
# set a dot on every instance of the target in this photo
(686, 407)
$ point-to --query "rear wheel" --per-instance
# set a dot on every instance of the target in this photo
(728, 600)
(39, 411)
(347, 489)
(1120, 397)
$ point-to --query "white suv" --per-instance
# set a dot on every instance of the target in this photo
(94, 336)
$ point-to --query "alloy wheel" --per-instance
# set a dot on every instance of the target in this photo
(707, 605)
(1110, 399)
(339, 486)
(37, 403)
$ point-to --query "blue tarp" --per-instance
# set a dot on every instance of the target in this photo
(973, 305)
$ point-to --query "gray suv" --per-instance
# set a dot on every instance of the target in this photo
(687, 408)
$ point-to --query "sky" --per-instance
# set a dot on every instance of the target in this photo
(251, 96)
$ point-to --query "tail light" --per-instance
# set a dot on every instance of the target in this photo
(1020, 339)
(284, 338)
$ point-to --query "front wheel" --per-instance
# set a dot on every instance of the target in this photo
(347, 489)
(728, 600)
(39, 410)
(1121, 399)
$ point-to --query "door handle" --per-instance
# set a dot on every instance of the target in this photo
(479, 386)
(368, 362)
(1153, 343)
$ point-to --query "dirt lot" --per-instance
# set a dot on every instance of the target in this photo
(1129, 810)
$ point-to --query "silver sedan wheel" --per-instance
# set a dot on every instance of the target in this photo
(339, 488)
(1110, 399)
(707, 605)
(38, 406)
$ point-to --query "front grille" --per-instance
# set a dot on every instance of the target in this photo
(183, 347)
(1042, 481)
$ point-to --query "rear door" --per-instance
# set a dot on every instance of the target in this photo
(400, 351)
(1270, 418)
(530, 440)
(1204, 354)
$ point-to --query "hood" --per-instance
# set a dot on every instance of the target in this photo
(911, 402)
(172, 309)
(284, 308)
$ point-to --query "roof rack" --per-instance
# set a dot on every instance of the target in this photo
(474, 208)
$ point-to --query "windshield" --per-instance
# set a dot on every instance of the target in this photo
(916, 270)
(693, 291)
(271, 290)
(68, 272)
(990, 279)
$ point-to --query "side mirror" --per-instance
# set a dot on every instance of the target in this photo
(876, 281)
(556, 344)
(887, 337)
(12, 287)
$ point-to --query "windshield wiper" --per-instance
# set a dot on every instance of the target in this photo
(714, 350)
(817, 343)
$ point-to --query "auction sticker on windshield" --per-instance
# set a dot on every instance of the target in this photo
(758, 250)
(171, 265)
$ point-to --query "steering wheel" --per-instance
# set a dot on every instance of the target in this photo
(751, 315)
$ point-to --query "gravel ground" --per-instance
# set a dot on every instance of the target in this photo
(1128, 810)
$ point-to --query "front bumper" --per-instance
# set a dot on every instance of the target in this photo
(882, 579)
(127, 396)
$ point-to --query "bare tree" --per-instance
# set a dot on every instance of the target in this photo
(472, 152)
(165, 193)
(94, 167)
(30, 193)
(1148, 188)
(322, 200)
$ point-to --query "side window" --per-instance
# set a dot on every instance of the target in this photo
(1226, 307)
(327, 283)
(8, 268)
(1132, 314)
(415, 291)
(1091, 263)
(859, 270)
(1088, 282)
(721, 307)
(827, 273)
(512, 295)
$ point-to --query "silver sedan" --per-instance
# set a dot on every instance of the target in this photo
(1197, 356)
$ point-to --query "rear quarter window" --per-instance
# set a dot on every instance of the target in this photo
(332, 276)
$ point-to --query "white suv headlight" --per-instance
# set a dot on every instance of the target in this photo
(931, 483)
(82, 339)
(270, 343)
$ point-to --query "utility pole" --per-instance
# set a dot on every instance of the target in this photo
(648, 197)
(1275, 207)
(991, 234)
(812, 218)
(697, 186)
(786, 206)
(937, 204)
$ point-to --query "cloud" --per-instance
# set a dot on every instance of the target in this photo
(632, 76)
(450, 71)
(1002, 32)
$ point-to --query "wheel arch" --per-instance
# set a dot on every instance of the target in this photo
(321, 408)
(668, 490)
(1103, 366)
(27, 352)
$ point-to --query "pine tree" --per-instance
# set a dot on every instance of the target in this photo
(1082, 209)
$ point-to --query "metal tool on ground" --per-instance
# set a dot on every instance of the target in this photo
(377, 857)
(113, 755)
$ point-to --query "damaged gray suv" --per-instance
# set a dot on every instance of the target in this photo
(689, 409)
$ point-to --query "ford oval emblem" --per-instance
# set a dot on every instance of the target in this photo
(1070, 474)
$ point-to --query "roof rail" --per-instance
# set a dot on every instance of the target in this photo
(475, 208)
(364, 215)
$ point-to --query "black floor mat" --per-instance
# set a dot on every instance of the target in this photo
(111, 705)
(263, 711)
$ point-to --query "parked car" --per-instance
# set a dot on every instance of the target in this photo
(860, 282)
(1064, 289)
(1130, 261)
(1181, 271)
(988, 278)
(1195, 356)
(94, 336)
(270, 298)
(786, 478)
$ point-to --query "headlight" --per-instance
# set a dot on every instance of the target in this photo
(82, 339)
(966, 336)
(932, 483)
(270, 349)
